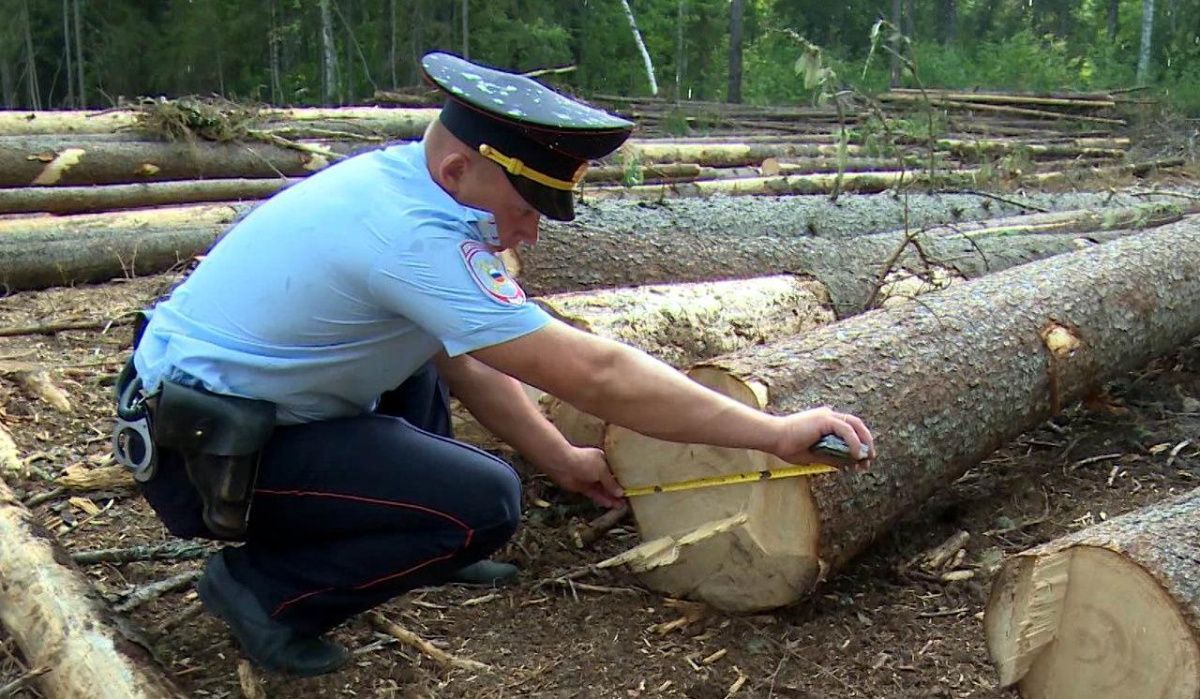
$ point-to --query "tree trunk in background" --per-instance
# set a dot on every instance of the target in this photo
(466, 29)
(637, 37)
(67, 50)
(1114, 11)
(81, 93)
(31, 83)
(1143, 64)
(7, 84)
(948, 14)
(392, 42)
(273, 53)
(329, 72)
(897, 18)
(679, 50)
(417, 39)
(737, 10)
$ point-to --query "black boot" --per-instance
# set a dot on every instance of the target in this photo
(486, 572)
(270, 644)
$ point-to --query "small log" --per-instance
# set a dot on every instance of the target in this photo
(942, 381)
(868, 182)
(48, 162)
(588, 535)
(394, 123)
(59, 621)
(95, 198)
(722, 154)
(678, 244)
(1112, 611)
(10, 457)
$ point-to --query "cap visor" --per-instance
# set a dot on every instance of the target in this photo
(556, 204)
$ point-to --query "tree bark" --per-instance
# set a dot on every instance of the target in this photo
(737, 10)
(613, 244)
(942, 382)
(1053, 628)
(571, 257)
(1114, 13)
(637, 37)
(60, 622)
(99, 198)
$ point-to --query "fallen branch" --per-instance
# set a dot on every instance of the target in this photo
(426, 648)
(154, 590)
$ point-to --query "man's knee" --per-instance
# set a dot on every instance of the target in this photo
(499, 513)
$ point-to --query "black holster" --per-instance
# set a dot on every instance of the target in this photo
(220, 438)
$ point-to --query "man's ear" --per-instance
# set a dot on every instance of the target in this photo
(452, 170)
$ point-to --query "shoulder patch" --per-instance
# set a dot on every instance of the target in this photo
(490, 274)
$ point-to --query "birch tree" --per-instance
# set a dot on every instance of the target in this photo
(637, 37)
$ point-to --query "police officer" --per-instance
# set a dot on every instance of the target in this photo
(291, 394)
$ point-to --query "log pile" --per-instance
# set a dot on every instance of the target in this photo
(163, 153)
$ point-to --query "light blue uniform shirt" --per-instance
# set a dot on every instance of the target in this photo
(336, 290)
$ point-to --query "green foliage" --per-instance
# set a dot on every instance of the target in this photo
(135, 48)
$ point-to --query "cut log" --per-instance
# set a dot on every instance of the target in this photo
(1112, 611)
(50, 251)
(59, 620)
(688, 243)
(942, 382)
(820, 183)
(95, 198)
(388, 122)
(722, 154)
(47, 161)
(41, 251)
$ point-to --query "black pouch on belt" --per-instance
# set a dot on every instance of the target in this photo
(220, 438)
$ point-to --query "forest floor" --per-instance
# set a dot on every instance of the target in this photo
(876, 629)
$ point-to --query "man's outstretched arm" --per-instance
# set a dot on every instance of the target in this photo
(627, 387)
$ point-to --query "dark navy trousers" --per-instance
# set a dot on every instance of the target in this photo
(350, 513)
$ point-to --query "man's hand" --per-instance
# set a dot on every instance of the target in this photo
(800, 431)
(585, 470)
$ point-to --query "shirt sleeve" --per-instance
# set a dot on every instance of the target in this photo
(454, 289)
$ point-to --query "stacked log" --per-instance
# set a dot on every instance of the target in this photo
(764, 151)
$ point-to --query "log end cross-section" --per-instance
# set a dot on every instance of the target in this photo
(768, 560)
(1109, 612)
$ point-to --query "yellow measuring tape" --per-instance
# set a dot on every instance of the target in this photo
(752, 477)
